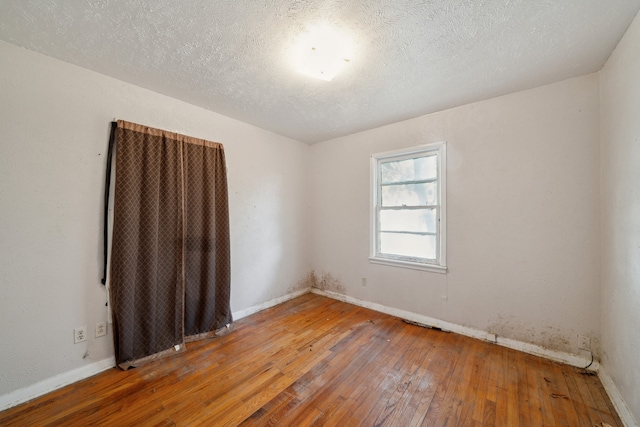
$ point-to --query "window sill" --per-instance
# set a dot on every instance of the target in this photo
(407, 264)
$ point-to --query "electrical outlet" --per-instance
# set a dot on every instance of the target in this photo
(79, 334)
(584, 342)
(101, 329)
(364, 282)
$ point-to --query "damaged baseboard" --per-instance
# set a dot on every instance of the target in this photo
(570, 359)
(618, 402)
(422, 325)
(557, 356)
(25, 394)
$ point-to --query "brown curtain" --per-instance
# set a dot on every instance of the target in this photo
(170, 256)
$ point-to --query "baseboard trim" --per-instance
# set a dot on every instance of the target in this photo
(609, 385)
(28, 393)
(558, 356)
(237, 315)
(41, 388)
(616, 399)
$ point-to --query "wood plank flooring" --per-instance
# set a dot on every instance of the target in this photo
(314, 361)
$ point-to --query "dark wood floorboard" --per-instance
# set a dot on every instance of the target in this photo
(314, 361)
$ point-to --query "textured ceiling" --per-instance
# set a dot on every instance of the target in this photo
(412, 57)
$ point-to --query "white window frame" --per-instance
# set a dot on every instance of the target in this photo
(439, 265)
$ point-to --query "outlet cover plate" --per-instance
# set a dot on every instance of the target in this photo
(584, 342)
(101, 329)
(79, 334)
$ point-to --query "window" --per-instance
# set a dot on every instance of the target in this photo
(408, 208)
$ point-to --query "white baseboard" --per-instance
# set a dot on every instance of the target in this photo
(616, 398)
(237, 315)
(51, 384)
(558, 356)
(25, 394)
(570, 359)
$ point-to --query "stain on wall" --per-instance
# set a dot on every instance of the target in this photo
(322, 281)
(326, 282)
(546, 336)
(307, 282)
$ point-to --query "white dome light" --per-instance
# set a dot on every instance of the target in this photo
(322, 51)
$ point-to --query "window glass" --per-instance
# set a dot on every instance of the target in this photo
(408, 208)
(409, 245)
(412, 220)
(424, 194)
(416, 169)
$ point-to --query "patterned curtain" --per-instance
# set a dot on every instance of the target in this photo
(170, 256)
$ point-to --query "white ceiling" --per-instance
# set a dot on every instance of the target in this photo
(412, 57)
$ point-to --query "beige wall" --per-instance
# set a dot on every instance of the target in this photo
(522, 216)
(54, 129)
(620, 115)
(529, 222)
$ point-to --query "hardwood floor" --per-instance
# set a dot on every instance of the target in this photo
(317, 361)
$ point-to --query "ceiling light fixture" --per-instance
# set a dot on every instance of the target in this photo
(322, 51)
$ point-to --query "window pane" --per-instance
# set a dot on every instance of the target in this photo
(409, 194)
(409, 170)
(408, 245)
(417, 220)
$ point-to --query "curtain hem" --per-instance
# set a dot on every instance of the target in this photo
(225, 330)
(152, 358)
